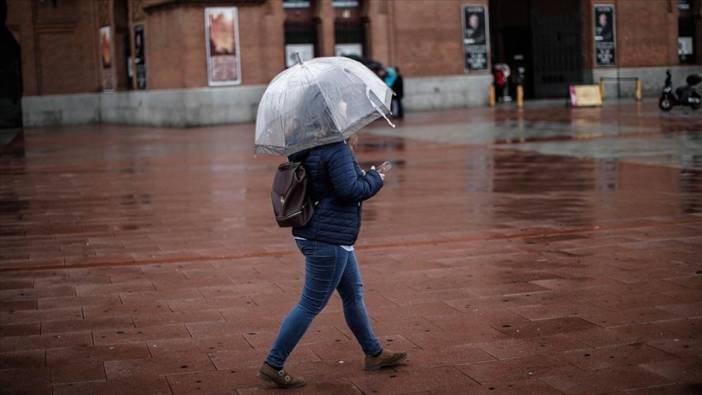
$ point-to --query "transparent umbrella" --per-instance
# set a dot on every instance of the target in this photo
(320, 101)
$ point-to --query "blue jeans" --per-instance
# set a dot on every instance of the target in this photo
(327, 267)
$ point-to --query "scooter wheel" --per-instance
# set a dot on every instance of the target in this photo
(695, 106)
(665, 104)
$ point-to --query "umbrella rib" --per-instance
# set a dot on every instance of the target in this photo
(280, 117)
(326, 99)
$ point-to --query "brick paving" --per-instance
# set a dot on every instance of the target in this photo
(146, 261)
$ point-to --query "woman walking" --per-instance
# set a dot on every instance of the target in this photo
(338, 187)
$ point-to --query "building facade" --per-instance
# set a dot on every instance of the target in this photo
(197, 62)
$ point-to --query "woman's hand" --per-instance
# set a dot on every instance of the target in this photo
(382, 175)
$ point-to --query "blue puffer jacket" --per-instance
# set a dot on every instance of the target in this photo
(338, 186)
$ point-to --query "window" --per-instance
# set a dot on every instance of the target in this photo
(686, 33)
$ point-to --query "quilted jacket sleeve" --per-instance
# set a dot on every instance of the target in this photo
(348, 184)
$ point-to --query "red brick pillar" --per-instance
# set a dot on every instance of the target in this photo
(379, 35)
(325, 13)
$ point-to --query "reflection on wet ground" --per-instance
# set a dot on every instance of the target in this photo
(550, 250)
(636, 133)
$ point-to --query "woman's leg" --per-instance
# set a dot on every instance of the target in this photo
(324, 265)
(351, 290)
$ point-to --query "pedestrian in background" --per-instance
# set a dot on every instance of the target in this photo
(399, 88)
(392, 78)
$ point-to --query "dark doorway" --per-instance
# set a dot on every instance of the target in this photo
(686, 32)
(123, 48)
(351, 33)
(11, 134)
(349, 28)
(301, 30)
(540, 38)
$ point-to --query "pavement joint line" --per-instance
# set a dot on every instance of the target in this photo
(511, 236)
(580, 136)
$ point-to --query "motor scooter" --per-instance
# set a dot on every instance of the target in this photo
(683, 96)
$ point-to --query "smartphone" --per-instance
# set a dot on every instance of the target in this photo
(385, 167)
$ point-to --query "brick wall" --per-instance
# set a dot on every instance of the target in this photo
(176, 54)
(58, 45)
(423, 37)
(165, 45)
(647, 32)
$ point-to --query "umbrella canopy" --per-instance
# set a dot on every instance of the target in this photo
(318, 102)
(370, 63)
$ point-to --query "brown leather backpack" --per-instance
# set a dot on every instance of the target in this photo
(292, 205)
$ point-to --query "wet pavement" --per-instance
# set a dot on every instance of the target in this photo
(537, 252)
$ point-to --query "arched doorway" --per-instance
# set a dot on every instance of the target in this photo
(123, 48)
(349, 28)
(11, 135)
(543, 39)
(301, 30)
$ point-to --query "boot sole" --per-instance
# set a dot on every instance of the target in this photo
(264, 377)
(386, 364)
(267, 379)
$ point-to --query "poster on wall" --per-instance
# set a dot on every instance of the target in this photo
(139, 58)
(605, 35)
(344, 3)
(685, 48)
(306, 52)
(222, 43)
(106, 58)
(296, 3)
(475, 37)
(348, 49)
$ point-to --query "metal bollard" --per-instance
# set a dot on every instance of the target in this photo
(491, 96)
(520, 96)
(638, 94)
(602, 88)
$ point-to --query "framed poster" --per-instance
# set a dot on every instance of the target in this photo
(475, 37)
(605, 35)
(139, 58)
(106, 58)
(306, 52)
(222, 43)
(348, 49)
(345, 3)
(296, 3)
(685, 47)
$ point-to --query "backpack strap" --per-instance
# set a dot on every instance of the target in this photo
(301, 157)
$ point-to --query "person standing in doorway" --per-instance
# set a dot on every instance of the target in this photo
(500, 82)
(399, 88)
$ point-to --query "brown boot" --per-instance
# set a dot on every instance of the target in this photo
(386, 359)
(281, 378)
